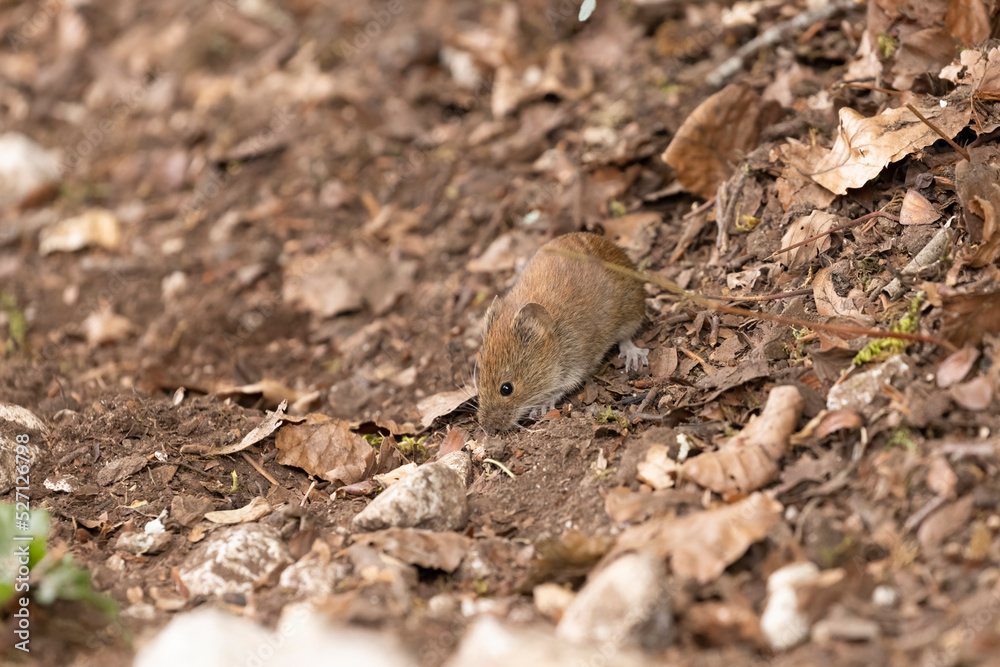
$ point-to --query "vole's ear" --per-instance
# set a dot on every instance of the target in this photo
(533, 323)
(491, 314)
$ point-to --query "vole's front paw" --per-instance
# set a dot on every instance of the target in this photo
(635, 357)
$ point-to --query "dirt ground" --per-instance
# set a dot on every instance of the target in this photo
(317, 202)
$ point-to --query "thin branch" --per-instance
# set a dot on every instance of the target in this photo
(961, 151)
(834, 230)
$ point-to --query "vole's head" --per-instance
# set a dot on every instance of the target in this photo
(518, 364)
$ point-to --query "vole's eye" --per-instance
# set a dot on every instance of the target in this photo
(506, 389)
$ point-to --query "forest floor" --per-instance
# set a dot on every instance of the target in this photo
(311, 203)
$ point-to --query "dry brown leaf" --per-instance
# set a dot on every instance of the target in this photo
(837, 294)
(864, 146)
(504, 253)
(941, 479)
(634, 232)
(663, 361)
(805, 227)
(956, 366)
(703, 544)
(966, 317)
(718, 623)
(453, 441)
(977, 184)
(626, 506)
(944, 523)
(837, 420)
(96, 227)
(968, 21)
(750, 460)
(272, 391)
(795, 186)
(919, 52)
(256, 509)
(441, 404)
(975, 395)
(425, 548)
(714, 137)
(916, 210)
(329, 450)
(261, 431)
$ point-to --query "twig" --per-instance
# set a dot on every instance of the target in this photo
(699, 209)
(834, 230)
(692, 355)
(961, 151)
(259, 469)
(312, 486)
(772, 36)
(766, 297)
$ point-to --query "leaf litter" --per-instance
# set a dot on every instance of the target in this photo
(342, 261)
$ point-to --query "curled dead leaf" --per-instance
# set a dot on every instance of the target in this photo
(750, 459)
(329, 450)
(803, 228)
(441, 404)
(837, 294)
(256, 509)
(719, 131)
(864, 146)
(703, 544)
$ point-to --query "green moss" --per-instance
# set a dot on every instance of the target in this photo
(885, 348)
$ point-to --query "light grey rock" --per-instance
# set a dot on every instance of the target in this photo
(859, 390)
(311, 577)
(491, 644)
(431, 497)
(461, 463)
(232, 560)
(627, 604)
(21, 432)
(210, 638)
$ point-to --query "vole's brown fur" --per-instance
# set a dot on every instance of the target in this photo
(553, 328)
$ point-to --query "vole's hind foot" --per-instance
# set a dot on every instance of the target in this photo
(635, 357)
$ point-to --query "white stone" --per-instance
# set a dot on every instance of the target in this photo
(232, 560)
(210, 638)
(782, 623)
(431, 497)
(489, 643)
(627, 603)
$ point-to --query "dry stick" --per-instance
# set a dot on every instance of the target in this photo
(767, 297)
(259, 469)
(702, 301)
(834, 230)
(773, 35)
(868, 86)
(701, 208)
(961, 151)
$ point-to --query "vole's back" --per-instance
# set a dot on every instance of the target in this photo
(593, 307)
